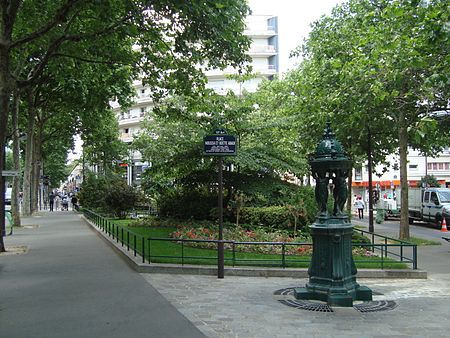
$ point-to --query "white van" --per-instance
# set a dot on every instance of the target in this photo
(8, 193)
(428, 204)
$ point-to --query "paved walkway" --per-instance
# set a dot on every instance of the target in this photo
(247, 306)
(71, 282)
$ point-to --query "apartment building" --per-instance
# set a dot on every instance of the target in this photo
(389, 182)
(262, 29)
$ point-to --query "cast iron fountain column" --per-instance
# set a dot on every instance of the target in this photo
(332, 271)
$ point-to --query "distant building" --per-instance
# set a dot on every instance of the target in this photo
(74, 179)
(418, 166)
(262, 29)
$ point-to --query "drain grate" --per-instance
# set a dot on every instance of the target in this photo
(286, 297)
(376, 306)
(286, 291)
(307, 305)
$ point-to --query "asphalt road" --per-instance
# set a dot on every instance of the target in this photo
(433, 258)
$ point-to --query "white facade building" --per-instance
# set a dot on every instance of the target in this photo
(418, 167)
(262, 29)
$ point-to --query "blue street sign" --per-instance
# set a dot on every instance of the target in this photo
(219, 145)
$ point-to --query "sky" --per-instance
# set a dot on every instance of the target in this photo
(294, 19)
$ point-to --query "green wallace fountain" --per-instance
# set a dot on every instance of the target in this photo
(332, 271)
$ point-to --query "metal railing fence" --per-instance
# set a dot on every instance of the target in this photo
(388, 251)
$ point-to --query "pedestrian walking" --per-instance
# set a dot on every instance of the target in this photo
(64, 203)
(74, 202)
(359, 204)
(57, 201)
(51, 200)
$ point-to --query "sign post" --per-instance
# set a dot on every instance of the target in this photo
(10, 173)
(220, 144)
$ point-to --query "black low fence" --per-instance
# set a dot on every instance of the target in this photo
(385, 251)
(401, 251)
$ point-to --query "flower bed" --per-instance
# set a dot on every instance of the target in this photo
(239, 234)
(301, 245)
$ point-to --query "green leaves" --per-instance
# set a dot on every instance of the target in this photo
(173, 142)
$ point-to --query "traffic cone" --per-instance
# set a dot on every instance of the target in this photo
(444, 225)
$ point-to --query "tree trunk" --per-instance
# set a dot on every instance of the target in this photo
(15, 199)
(5, 94)
(350, 193)
(4, 108)
(295, 226)
(370, 172)
(29, 152)
(403, 150)
(8, 12)
(35, 179)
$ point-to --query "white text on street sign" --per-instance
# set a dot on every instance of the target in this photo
(10, 173)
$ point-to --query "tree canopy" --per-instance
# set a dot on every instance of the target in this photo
(172, 140)
(161, 41)
(380, 66)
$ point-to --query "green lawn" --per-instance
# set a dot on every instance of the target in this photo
(422, 241)
(161, 251)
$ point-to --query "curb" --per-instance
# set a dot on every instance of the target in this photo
(136, 264)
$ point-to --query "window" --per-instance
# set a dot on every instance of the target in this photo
(427, 197)
(126, 130)
(441, 166)
(358, 174)
(413, 166)
(444, 196)
(434, 198)
(142, 110)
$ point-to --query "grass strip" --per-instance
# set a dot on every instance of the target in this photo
(166, 251)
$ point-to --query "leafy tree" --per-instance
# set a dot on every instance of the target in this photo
(101, 144)
(428, 181)
(173, 142)
(237, 204)
(92, 192)
(173, 38)
(120, 197)
(377, 68)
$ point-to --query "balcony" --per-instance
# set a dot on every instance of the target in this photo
(260, 69)
(126, 137)
(143, 98)
(261, 32)
(268, 50)
(265, 70)
(129, 120)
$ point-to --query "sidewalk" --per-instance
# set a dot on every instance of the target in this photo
(70, 284)
(248, 307)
